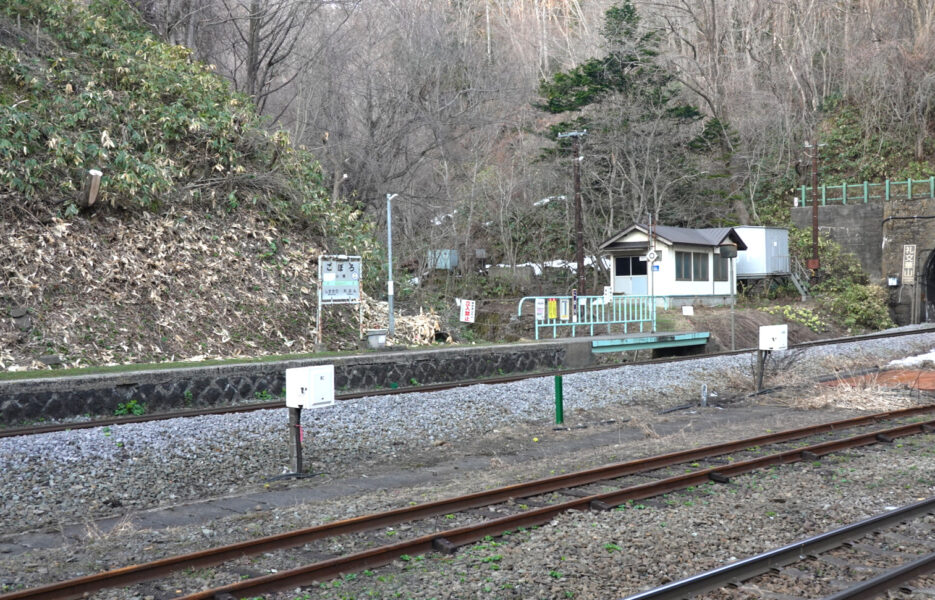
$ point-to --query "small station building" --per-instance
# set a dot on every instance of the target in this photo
(684, 265)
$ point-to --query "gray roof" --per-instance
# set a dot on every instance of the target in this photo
(681, 235)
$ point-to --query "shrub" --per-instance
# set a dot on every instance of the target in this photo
(101, 91)
(800, 315)
(843, 289)
(860, 307)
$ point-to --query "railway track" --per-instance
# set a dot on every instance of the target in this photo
(890, 549)
(110, 421)
(494, 512)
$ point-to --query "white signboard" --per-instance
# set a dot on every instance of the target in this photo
(774, 337)
(688, 310)
(540, 309)
(608, 294)
(909, 263)
(563, 313)
(468, 311)
(340, 279)
(310, 387)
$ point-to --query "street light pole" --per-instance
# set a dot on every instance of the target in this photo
(389, 261)
(579, 227)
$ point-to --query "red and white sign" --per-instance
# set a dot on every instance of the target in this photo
(468, 311)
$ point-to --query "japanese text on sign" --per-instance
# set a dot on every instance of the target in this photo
(553, 308)
(468, 311)
(909, 263)
(340, 281)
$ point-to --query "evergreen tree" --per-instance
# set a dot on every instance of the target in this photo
(645, 142)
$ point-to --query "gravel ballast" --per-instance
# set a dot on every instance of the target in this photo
(52, 480)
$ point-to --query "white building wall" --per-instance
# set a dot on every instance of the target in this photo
(663, 282)
(767, 251)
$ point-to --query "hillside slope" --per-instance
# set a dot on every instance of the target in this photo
(205, 236)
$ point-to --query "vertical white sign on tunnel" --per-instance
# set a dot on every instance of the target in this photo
(909, 263)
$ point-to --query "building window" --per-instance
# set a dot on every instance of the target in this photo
(691, 266)
(629, 265)
(720, 268)
(700, 266)
(623, 266)
(638, 266)
(683, 266)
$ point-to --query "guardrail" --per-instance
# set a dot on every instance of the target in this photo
(593, 311)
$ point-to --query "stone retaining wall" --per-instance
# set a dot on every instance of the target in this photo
(62, 397)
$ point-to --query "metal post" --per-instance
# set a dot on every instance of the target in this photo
(813, 264)
(579, 227)
(733, 302)
(295, 434)
(319, 301)
(815, 202)
(389, 261)
(559, 404)
(652, 273)
(761, 356)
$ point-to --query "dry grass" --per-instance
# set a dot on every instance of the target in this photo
(124, 527)
(864, 393)
(856, 360)
(181, 285)
(645, 427)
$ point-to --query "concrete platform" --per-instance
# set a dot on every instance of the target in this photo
(649, 341)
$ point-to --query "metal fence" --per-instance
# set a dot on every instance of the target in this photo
(554, 312)
(855, 193)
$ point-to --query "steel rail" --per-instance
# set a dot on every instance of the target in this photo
(451, 539)
(80, 586)
(887, 581)
(791, 553)
(433, 387)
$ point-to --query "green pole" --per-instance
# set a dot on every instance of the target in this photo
(559, 409)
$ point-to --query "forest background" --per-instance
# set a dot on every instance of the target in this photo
(697, 113)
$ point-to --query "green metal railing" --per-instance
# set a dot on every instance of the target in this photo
(856, 193)
(593, 311)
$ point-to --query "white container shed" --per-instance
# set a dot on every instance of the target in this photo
(767, 252)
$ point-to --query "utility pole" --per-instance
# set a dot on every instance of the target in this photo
(814, 263)
(579, 227)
